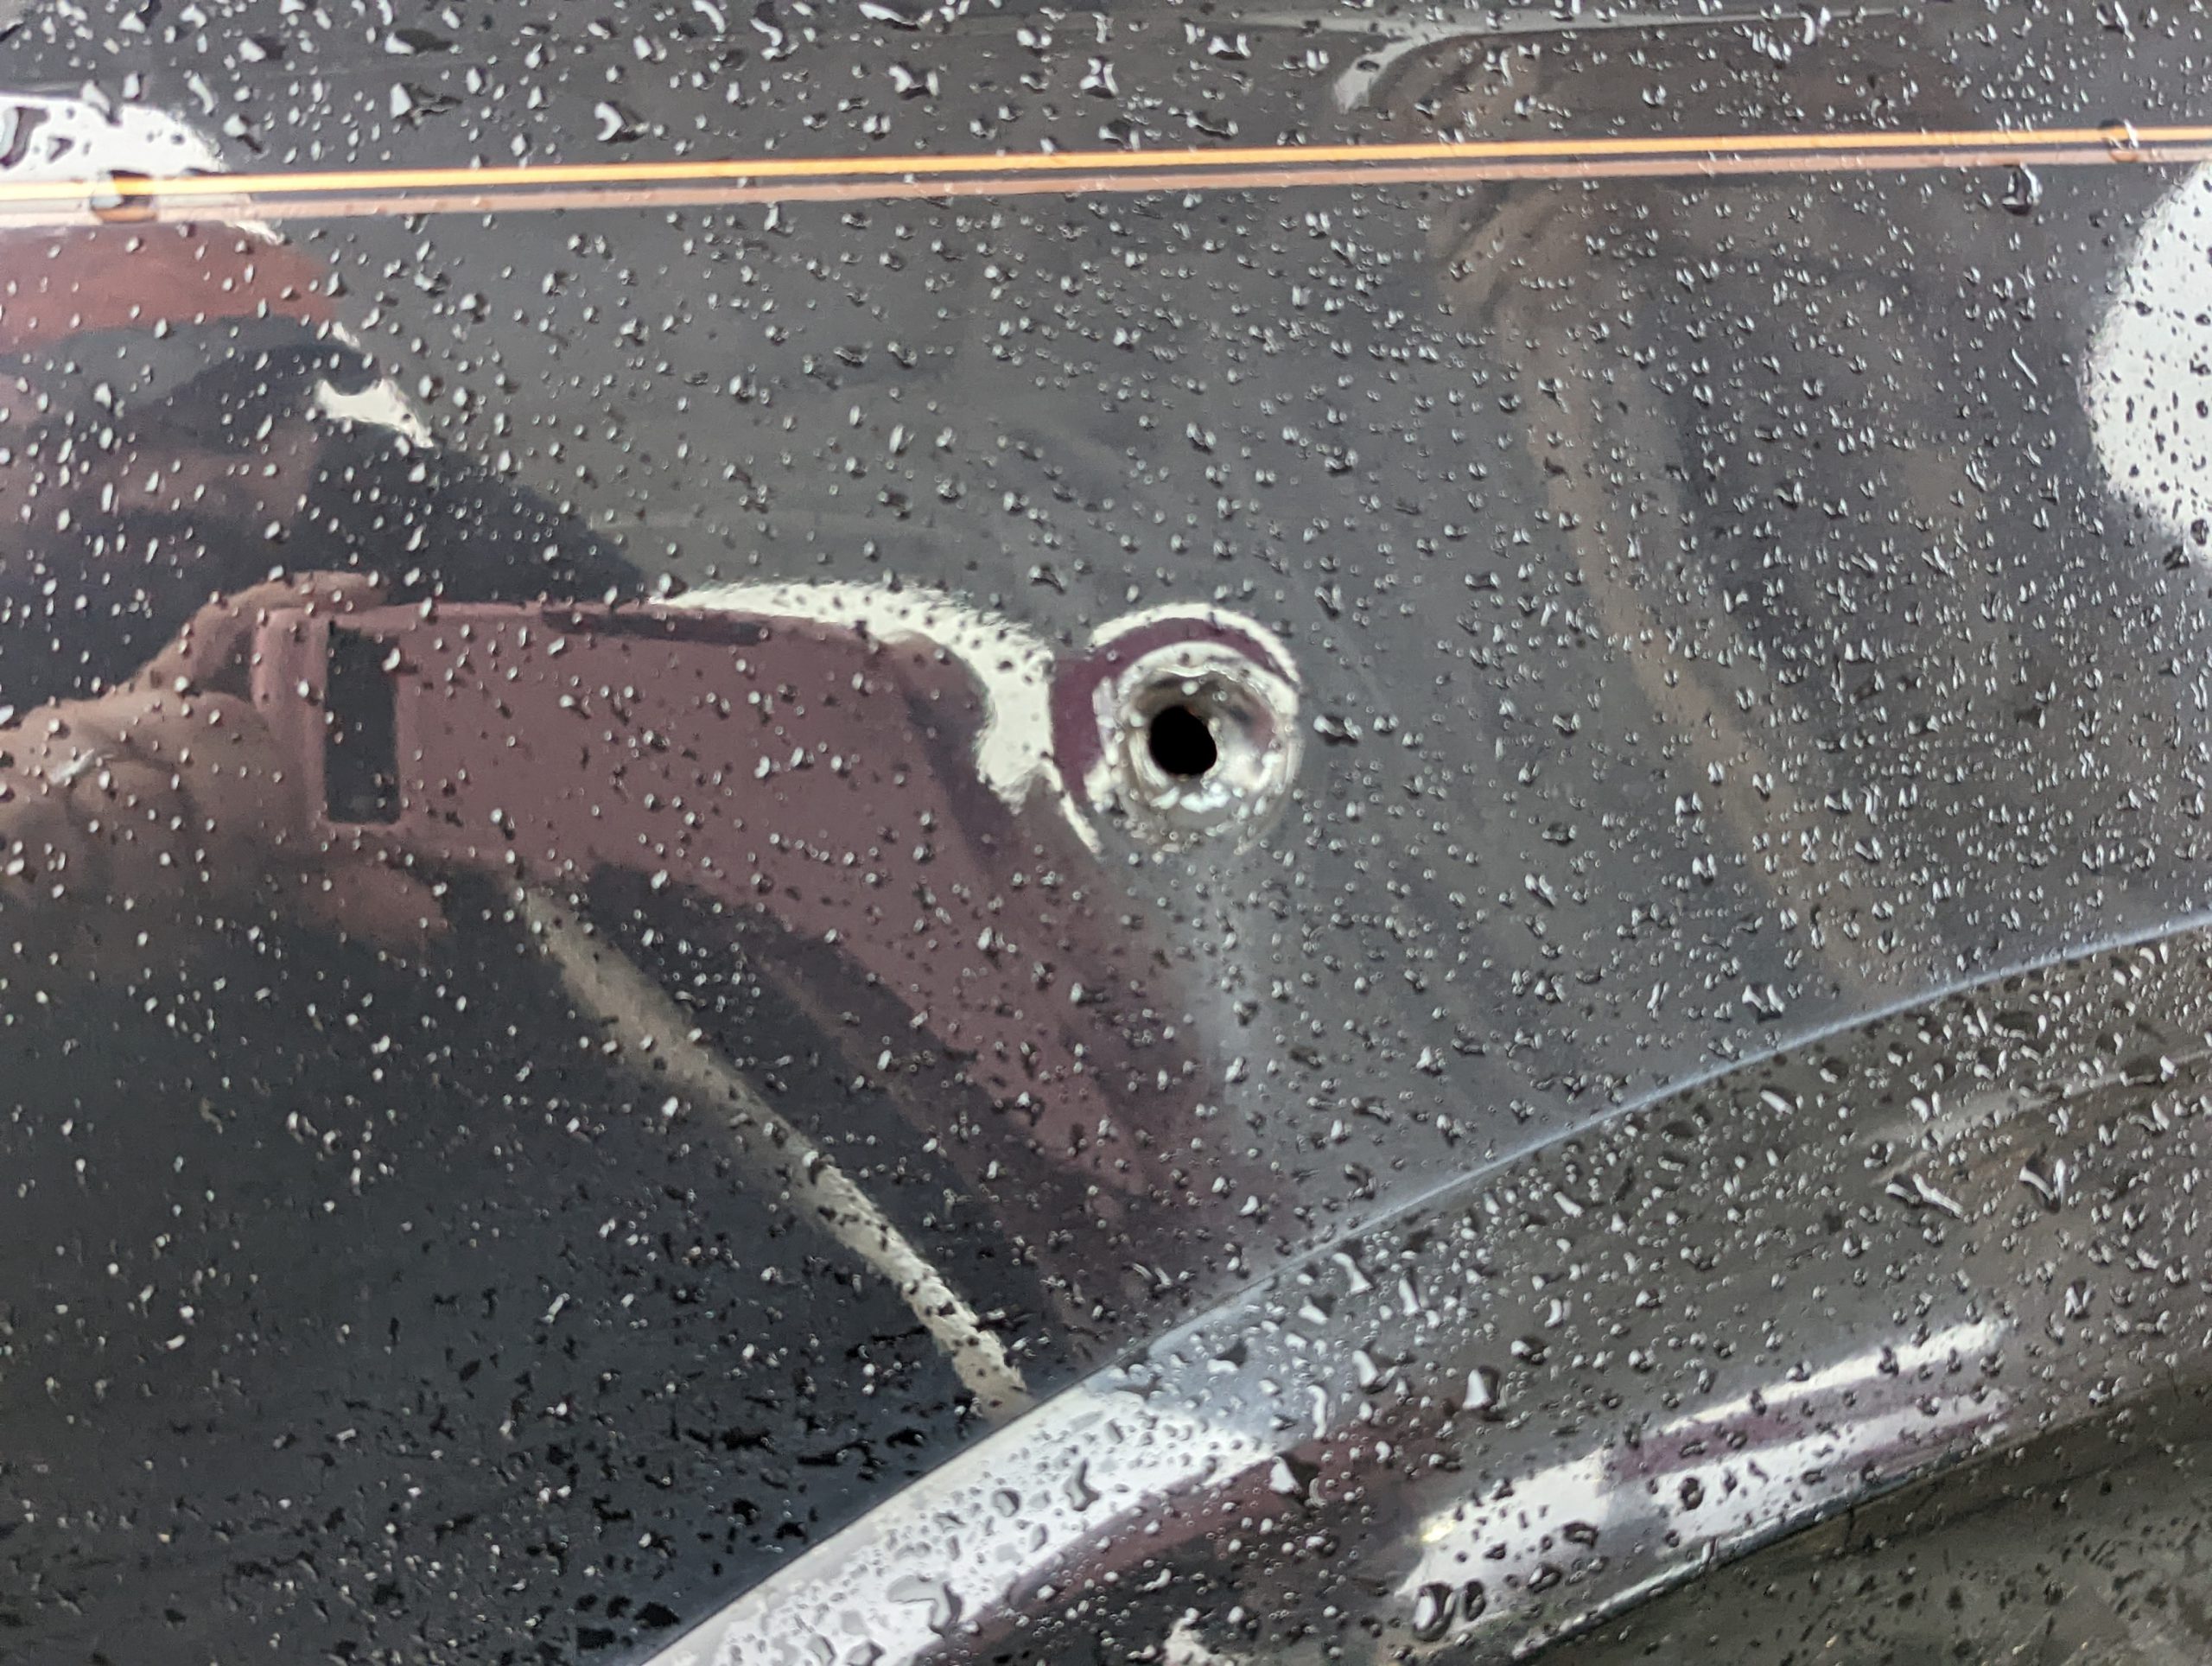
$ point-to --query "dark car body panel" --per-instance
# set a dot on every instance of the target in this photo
(1742, 565)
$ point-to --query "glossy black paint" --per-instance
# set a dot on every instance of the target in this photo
(1723, 610)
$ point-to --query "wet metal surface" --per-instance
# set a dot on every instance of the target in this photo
(1637, 618)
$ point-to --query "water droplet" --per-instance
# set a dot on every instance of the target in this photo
(618, 124)
(1432, 1606)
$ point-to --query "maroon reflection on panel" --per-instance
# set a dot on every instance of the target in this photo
(808, 772)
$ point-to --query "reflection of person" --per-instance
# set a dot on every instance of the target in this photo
(181, 424)
(344, 1223)
(351, 1301)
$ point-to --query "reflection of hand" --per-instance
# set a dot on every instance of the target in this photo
(169, 800)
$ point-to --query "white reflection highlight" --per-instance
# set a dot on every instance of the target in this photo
(1737, 1472)
(967, 1539)
(2146, 385)
(1011, 663)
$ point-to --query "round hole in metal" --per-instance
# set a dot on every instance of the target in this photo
(1181, 742)
(1198, 730)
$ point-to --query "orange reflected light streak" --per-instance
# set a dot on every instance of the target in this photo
(532, 190)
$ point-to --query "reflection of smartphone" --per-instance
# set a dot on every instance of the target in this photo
(360, 752)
